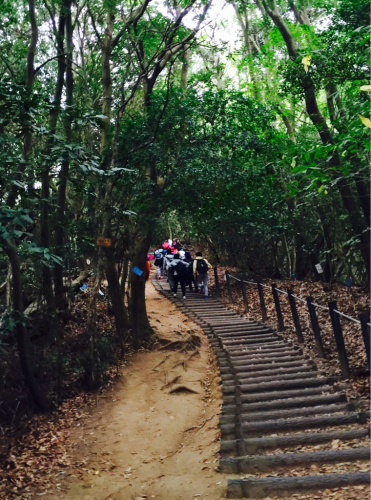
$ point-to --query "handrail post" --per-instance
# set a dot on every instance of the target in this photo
(364, 319)
(216, 281)
(276, 298)
(262, 302)
(244, 296)
(343, 358)
(229, 286)
(295, 316)
(315, 327)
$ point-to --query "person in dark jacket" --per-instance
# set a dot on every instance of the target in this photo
(177, 245)
(200, 269)
(190, 277)
(180, 273)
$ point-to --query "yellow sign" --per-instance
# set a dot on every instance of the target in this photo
(104, 242)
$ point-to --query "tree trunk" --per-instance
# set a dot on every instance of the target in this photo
(326, 227)
(340, 123)
(8, 300)
(138, 311)
(289, 127)
(106, 81)
(124, 276)
(24, 345)
(60, 297)
(115, 291)
(184, 70)
(48, 291)
(92, 374)
(30, 77)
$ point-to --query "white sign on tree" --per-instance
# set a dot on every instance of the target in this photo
(319, 268)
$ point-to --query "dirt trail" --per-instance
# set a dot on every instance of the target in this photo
(142, 441)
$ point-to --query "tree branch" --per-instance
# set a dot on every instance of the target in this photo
(132, 19)
(52, 17)
(93, 23)
(48, 60)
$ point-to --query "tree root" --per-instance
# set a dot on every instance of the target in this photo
(172, 381)
(180, 388)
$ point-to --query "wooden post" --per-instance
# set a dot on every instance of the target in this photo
(295, 316)
(216, 281)
(229, 286)
(244, 296)
(315, 327)
(343, 358)
(364, 319)
(262, 302)
(276, 298)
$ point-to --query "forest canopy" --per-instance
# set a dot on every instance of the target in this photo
(242, 124)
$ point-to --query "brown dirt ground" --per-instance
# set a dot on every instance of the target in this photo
(142, 441)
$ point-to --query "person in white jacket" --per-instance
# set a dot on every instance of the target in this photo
(166, 267)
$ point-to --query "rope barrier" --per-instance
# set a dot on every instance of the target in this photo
(301, 300)
(234, 278)
(266, 286)
(321, 307)
(348, 317)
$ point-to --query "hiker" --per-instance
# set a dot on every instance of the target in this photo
(177, 245)
(166, 267)
(181, 254)
(190, 278)
(180, 271)
(148, 268)
(200, 269)
(159, 261)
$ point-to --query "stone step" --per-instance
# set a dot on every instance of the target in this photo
(294, 424)
(280, 377)
(242, 333)
(292, 412)
(271, 373)
(250, 351)
(263, 365)
(262, 444)
(258, 345)
(252, 464)
(276, 395)
(278, 385)
(285, 486)
(267, 353)
(246, 341)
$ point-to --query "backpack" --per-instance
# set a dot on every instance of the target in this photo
(180, 267)
(159, 255)
(202, 267)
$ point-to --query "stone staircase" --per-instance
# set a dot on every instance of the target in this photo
(275, 401)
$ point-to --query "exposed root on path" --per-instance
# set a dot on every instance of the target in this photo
(170, 382)
(182, 388)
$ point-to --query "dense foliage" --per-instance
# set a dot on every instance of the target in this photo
(129, 120)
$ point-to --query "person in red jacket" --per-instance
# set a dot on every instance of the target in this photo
(148, 269)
